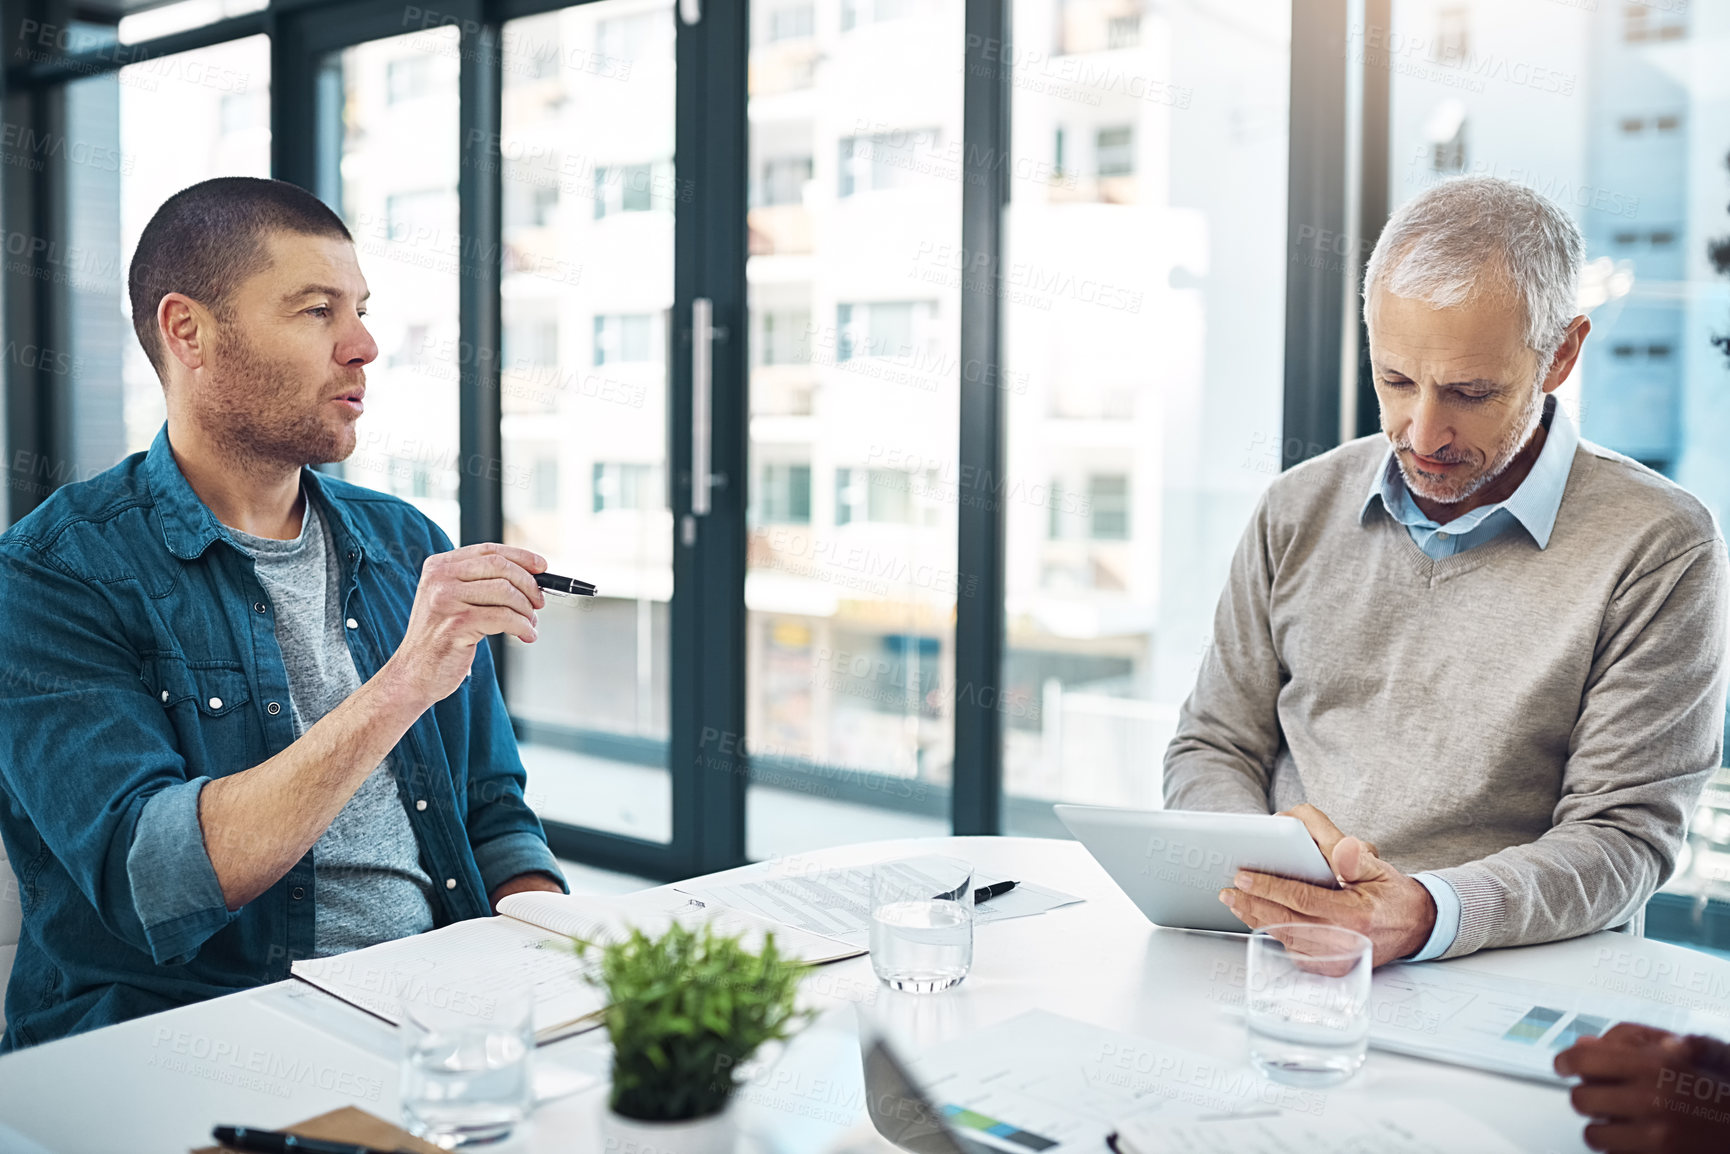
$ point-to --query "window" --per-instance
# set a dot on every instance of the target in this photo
(629, 188)
(783, 494)
(1109, 606)
(786, 337)
(398, 196)
(641, 34)
(784, 179)
(407, 79)
(626, 487)
(886, 160)
(1108, 495)
(588, 112)
(1646, 20)
(1452, 36)
(1114, 151)
(882, 329)
(418, 217)
(791, 22)
(885, 497)
(531, 343)
(244, 112)
(623, 338)
(857, 12)
(545, 484)
(544, 202)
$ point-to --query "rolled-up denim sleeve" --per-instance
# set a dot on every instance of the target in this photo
(176, 892)
(505, 857)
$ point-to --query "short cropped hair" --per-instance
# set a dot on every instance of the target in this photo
(207, 239)
(1469, 234)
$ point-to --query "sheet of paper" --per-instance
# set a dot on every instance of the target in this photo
(1386, 1127)
(583, 917)
(465, 964)
(1040, 1081)
(836, 903)
(1504, 1025)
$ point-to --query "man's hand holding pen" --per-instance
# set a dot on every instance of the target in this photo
(463, 596)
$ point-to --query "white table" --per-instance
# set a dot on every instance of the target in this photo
(272, 1056)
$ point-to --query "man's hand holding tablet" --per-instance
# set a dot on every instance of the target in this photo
(1394, 911)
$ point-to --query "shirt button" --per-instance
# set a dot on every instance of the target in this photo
(352, 623)
(165, 697)
(450, 883)
(1441, 536)
(297, 892)
(258, 606)
(273, 709)
(216, 703)
(420, 806)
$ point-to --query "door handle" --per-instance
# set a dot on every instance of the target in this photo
(702, 397)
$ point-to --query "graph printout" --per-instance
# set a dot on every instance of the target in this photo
(1506, 1025)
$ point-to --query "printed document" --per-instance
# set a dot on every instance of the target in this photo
(836, 903)
(1505, 1025)
(528, 946)
(1388, 1127)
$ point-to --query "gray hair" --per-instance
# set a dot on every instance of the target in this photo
(1442, 245)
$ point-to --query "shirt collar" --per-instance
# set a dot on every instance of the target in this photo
(1534, 504)
(188, 525)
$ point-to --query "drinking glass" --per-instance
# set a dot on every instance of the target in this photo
(922, 923)
(1308, 1003)
(465, 1066)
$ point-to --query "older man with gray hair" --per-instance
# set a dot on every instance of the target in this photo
(1491, 651)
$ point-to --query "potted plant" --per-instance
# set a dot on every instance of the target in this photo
(685, 1010)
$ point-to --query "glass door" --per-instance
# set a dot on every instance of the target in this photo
(855, 277)
(588, 204)
(537, 255)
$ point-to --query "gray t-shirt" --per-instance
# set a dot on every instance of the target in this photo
(367, 875)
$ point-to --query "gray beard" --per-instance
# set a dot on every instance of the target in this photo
(1506, 450)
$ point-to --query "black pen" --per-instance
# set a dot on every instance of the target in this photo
(986, 893)
(277, 1142)
(564, 586)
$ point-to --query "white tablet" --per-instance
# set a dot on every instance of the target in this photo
(1173, 863)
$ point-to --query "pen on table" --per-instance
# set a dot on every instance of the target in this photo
(278, 1142)
(567, 586)
(982, 894)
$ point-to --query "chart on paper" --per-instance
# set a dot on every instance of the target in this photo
(1494, 1023)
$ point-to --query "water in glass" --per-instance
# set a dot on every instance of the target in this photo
(1307, 1003)
(465, 1079)
(922, 923)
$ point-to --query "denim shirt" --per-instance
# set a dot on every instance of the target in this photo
(138, 661)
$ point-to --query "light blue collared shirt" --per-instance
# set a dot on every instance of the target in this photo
(1533, 506)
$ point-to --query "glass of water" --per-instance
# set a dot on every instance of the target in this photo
(922, 923)
(465, 1066)
(1308, 1003)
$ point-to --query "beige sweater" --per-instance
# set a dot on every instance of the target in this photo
(1534, 726)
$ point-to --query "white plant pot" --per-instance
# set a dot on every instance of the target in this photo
(715, 1134)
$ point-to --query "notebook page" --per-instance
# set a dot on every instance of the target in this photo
(600, 921)
(463, 965)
